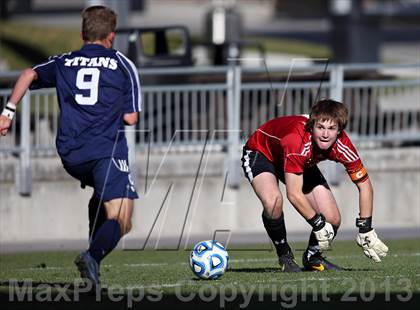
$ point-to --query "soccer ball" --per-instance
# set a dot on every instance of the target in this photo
(209, 259)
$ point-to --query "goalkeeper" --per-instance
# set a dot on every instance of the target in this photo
(288, 149)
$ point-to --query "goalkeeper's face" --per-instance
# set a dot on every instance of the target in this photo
(325, 133)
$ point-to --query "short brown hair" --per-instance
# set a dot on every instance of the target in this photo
(97, 22)
(328, 109)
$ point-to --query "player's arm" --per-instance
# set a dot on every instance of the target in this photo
(365, 198)
(372, 246)
(367, 238)
(22, 84)
(323, 230)
(131, 118)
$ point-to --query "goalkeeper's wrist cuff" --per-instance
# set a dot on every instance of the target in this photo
(364, 224)
(317, 222)
(9, 110)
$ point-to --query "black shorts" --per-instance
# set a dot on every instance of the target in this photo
(254, 163)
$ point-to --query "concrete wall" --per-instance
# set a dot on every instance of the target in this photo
(55, 216)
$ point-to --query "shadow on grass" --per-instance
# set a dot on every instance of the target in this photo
(358, 269)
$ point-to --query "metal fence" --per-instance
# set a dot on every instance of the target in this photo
(383, 102)
(184, 114)
(184, 107)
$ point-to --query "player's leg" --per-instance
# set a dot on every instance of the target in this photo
(262, 176)
(266, 187)
(117, 192)
(120, 210)
(323, 201)
(118, 223)
(97, 215)
(319, 195)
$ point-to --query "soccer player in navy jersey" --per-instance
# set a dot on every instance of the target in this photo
(98, 93)
(288, 149)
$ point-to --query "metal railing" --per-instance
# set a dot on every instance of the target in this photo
(184, 107)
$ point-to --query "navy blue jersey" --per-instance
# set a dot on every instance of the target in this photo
(95, 86)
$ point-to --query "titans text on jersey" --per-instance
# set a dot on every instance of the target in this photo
(105, 62)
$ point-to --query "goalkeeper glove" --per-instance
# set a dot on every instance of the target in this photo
(367, 238)
(323, 231)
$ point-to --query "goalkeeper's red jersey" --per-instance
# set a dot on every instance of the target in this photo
(285, 143)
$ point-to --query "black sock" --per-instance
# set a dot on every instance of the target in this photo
(106, 239)
(312, 240)
(335, 228)
(94, 204)
(276, 230)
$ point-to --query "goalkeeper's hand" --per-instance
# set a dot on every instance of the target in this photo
(325, 236)
(372, 246)
(323, 231)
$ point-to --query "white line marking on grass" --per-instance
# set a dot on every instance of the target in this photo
(146, 265)
(155, 285)
(252, 260)
(405, 254)
(43, 268)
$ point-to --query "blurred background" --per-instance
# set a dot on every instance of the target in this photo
(342, 30)
(212, 72)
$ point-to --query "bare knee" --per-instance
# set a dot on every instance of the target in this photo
(335, 222)
(273, 206)
(333, 218)
(323, 201)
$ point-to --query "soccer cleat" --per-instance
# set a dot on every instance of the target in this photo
(288, 263)
(316, 262)
(88, 269)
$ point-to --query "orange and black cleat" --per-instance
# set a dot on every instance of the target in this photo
(316, 262)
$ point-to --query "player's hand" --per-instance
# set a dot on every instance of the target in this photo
(5, 124)
(372, 246)
(323, 231)
(325, 236)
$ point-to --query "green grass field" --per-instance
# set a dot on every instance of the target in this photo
(255, 272)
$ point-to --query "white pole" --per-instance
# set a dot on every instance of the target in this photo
(25, 170)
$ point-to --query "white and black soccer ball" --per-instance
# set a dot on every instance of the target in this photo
(209, 259)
